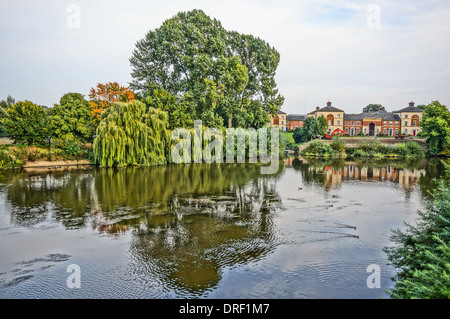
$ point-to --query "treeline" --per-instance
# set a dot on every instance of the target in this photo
(188, 69)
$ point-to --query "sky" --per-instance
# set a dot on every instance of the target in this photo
(351, 53)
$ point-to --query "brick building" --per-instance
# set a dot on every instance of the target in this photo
(369, 123)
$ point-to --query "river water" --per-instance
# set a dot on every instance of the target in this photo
(207, 230)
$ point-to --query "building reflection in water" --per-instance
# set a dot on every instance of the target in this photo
(333, 173)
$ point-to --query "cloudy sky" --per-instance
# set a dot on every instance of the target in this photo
(349, 52)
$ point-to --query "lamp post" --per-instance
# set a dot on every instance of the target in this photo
(49, 147)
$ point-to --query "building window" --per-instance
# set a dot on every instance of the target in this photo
(414, 123)
(406, 131)
(338, 122)
(385, 131)
(346, 122)
(365, 131)
(282, 122)
(385, 123)
(396, 123)
(357, 131)
(390, 123)
(353, 122)
(406, 123)
(339, 115)
(358, 123)
(346, 130)
(396, 131)
(301, 122)
(406, 116)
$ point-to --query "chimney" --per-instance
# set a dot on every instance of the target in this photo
(328, 103)
(411, 104)
(317, 108)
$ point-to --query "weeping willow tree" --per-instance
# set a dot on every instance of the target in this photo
(130, 134)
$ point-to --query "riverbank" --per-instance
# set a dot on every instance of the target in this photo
(359, 147)
(33, 157)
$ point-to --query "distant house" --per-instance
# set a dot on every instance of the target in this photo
(294, 121)
(278, 121)
(410, 117)
(333, 115)
(369, 123)
(372, 123)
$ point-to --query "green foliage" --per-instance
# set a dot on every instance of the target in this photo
(299, 135)
(373, 148)
(311, 128)
(422, 252)
(4, 106)
(180, 110)
(131, 134)
(409, 149)
(9, 160)
(221, 75)
(373, 108)
(318, 148)
(435, 125)
(338, 144)
(26, 122)
(71, 119)
(72, 148)
(322, 125)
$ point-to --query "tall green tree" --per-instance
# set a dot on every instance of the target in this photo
(4, 106)
(311, 127)
(132, 134)
(435, 125)
(191, 55)
(27, 123)
(71, 120)
(422, 252)
(373, 107)
(322, 125)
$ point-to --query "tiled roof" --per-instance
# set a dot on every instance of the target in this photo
(410, 109)
(329, 109)
(295, 117)
(385, 116)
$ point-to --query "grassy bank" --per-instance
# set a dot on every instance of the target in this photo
(369, 149)
(16, 156)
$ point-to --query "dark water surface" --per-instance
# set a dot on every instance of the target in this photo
(207, 231)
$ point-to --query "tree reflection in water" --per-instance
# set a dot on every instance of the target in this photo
(188, 221)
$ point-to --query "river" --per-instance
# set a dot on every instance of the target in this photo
(311, 230)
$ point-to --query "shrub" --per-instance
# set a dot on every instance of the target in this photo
(318, 148)
(422, 252)
(35, 153)
(338, 145)
(71, 148)
(360, 153)
(8, 160)
(26, 122)
(409, 149)
(414, 149)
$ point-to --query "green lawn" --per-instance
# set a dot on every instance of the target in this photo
(290, 137)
